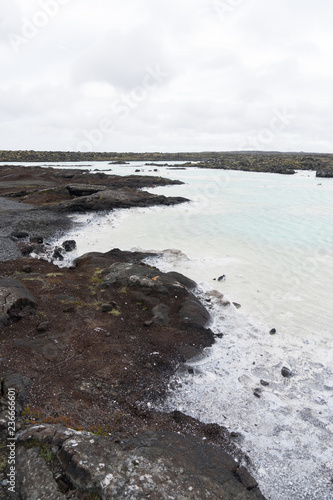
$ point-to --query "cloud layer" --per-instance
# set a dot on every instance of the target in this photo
(148, 75)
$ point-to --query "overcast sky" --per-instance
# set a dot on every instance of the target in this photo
(166, 75)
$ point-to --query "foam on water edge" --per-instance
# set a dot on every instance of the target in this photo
(287, 431)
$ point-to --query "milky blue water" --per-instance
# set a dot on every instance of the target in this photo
(272, 236)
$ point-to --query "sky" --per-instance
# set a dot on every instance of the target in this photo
(166, 75)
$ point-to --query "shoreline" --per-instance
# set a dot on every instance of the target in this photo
(252, 161)
(51, 336)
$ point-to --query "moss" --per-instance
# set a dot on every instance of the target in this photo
(45, 452)
(115, 312)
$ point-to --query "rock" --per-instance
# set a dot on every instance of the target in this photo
(222, 278)
(272, 331)
(57, 254)
(34, 480)
(245, 477)
(14, 299)
(161, 315)
(19, 235)
(184, 280)
(264, 383)
(238, 306)
(142, 276)
(324, 172)
(109, 199)
(43, 327)
(257, 392)
(84, 189)
(286, 372)
(18, 383)
(69, 245)
(37, 239)
(194, 313)
(26, 248)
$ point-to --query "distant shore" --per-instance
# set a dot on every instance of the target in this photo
(253, 161)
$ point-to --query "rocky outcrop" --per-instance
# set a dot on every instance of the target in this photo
(152, 464)
(157, 289)
(15, 300)
(110, 199)
(324, 172)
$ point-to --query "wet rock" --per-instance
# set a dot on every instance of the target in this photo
(69, 245)
(245, 477)
(14, 299)
(286, 372)
(37, 239)
(257, 392)
(222, 278)
(26, 248)
(194, 313)
(57, 254)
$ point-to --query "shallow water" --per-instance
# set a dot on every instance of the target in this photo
(272, 236)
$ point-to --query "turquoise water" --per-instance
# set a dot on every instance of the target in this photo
(272, 236)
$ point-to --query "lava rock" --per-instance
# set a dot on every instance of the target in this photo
(286, 372)
(57, 254)
(14, 298)
(69, 245)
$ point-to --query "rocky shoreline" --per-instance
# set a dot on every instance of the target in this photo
(89, 349)
(251, 161)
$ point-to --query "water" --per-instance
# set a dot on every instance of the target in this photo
(272, 236)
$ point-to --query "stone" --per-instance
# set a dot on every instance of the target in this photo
(257, 392)
(245, 477)
(69, 245)
(57, 254)
(19, 234)
(37, 239)
(194, 313)
(286, 372)
(14, 298)
(184, 280)
(34, 480)
(272, 331)
(161, 315)
(43, 326)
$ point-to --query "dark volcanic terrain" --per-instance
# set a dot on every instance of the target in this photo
(88, 350)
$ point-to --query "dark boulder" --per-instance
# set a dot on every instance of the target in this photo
(69, 245)
(286, 372)
(15, 299)
(153, 464)
(194, 313)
